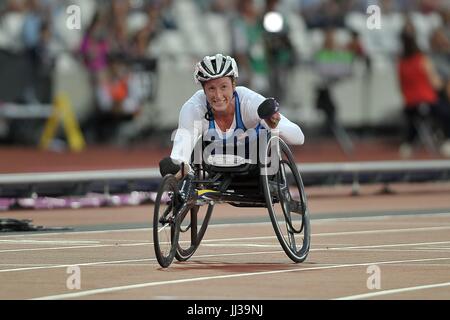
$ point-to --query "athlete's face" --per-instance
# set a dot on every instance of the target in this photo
(219, 93)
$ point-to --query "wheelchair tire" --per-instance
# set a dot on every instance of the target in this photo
(192, 232)
(289, 216)
(165, 235)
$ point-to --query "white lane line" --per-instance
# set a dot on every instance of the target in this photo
(76, 232)
(343, 233)
(249, 274)
(393, 291)
(242, 238)
(222, 226)
(392, 250)
(57, 248)
(79, 247)
(46, 242)
(383, 231)
(440, 265)
(30, 241)
(229, 245)
(73, 264)
(263, 238)
(26, 264)
(126, 263)
(389, 245)
(131, 245)
(257, 245)
(97, 240)
(197, 256)
(134, 260)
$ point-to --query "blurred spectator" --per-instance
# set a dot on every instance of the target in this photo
(419, 83)
(332, 64)
(325, 13)
(222, 6)
(168, 16)
(13, 6)
(36, 15)
(281, 55)
(248, 47)
(445, 14)
(440, 56)
(115, 92)
(95, 47)
(160, 13)
(115, 51)
(37, 34)
(11, 24)
(265, 58)
(46, 61)
(356, 47)
(94, 50)
(428, 6)
(425, 23)
(119, 98)
(217, 6)
(142, 65)
(118, 39)
(140, 42)
(119, 10)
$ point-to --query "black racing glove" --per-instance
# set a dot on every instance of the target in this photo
(167, 166)
(268, 108)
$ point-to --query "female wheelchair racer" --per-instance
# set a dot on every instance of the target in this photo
(183, 207)
(227, 169)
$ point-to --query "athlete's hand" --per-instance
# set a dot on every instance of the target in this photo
(183, 171)
(268, 111)
(168, 165)
(272, 122)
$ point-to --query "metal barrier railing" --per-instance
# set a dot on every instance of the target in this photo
(147, 179)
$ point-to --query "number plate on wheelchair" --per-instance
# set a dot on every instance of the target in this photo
(226, 160)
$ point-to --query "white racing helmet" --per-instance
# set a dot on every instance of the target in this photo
(213, 67)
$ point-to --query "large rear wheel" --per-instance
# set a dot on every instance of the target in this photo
(286, 200)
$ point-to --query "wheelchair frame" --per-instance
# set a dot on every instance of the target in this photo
(208, 185)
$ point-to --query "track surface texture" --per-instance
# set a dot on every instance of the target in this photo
(402, 238)
(384, 243)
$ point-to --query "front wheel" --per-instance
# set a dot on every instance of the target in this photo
(286, 200)
(167, 204)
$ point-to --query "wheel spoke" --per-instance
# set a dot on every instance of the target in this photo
(194, 218)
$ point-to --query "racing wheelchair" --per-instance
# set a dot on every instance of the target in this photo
(183, 208)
